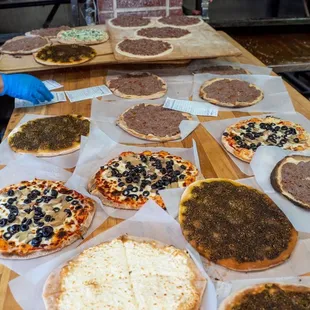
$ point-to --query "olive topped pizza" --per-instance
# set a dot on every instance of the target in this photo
(128, 181)
(40, 217)
(243, 138)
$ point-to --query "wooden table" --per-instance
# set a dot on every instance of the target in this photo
(213, 159)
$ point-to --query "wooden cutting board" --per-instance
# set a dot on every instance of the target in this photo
(204, 42)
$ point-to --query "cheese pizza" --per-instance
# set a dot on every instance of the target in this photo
(130, 180)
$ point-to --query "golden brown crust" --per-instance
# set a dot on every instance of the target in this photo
(204, 95)
(232, 263)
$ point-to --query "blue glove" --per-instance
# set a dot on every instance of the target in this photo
(25, 86)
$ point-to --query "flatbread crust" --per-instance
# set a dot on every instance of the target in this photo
(22, 52)
(71, 239)
(76, 41)
(204, 95)
(127, 54)
(159, 94)
(186, 36)
(52, 293)
(232, 263)
(234, 299)
(276, 178)
(30, 34)
(122, 124)
(75, 147)
(205, 70)
(180, 26)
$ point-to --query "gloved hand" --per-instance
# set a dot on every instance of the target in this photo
(25, 86)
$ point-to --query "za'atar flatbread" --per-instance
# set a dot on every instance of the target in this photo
(138, 85)
(235, 226)
(40, 217)
(152, 122)
(233, 93)
(49, 136)
(126, 273)
(87, 36)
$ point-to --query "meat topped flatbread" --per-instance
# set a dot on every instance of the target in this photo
(130, 21)
(218, 217)
(180, 21)
(222, 70)
(282, 296)
(152, 122)
(47, 32)
(49, 136)
(163, 33)
(232, 93)
(143, 48)
(131, 179)
(142, 85)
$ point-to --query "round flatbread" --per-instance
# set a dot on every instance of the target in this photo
(148, 273)
(218, 218)
(291, 178)
(243, 138)
(82, 36)
(64, 55)
(152, 122)
(180, 21)
(47, 32)
(131, 179)
(49, 136)
(222, 70)
(130, 21)
(40, 217)
(24, 45)
(269, 296)
(168, 33)
(138, 85)
(143, 48)
(233, 93)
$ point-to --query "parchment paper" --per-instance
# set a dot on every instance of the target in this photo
(63, 161)
(200, 63)
(99, 149)
(150, 222)
(106, 114)
(224, 289)
(28, 167)
(216, 128)
(262, 165)
(276, 97)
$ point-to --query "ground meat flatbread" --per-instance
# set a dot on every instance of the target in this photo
(243, 138)
(143, 48)
(291, 178)
(131, 179)
(171, 33)
(231, 93)
(47, 32)
(147, 272)
(24, 45)
(64, 55)
(180, 21)
(135, 85)
(269, 296)
(222, 70)
(130, 21)
(82, 36)
(40, 217)
(49, 136)
(218, 218)
(152, 122)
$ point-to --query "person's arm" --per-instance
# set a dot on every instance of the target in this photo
(24, 86)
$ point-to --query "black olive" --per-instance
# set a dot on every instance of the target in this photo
(182, 176)
(143, 158)
(134, 189)
(7, 236)
(35, 192)
(40, 224)
(11, 201)
(268, 127)
(249, 129)
(133, 196)
(3, 222)
(251, 125)
(32, 196)
(29, 222)
(277, 128)
(78, 207)
(177, 172)
(74, 202)
(56, 209)
(69, 198)
(11, 217)
(125, 192)
(36, 241)
(125, 173)
(146, 193)
(14, 210)
(27, 211)
(46, 191)
(47, 231)
(166, 183)
(22, 187)
(26, 201)
(54, 193)
(153, 186)
(10, 193)
(39, 200)
(174, 179)
(48, 218)
(14, 229)
(262, 126)
(284, 128)
(116, 164)
(129, 187)
(24, 220)
(128, 180)
(136, 180)
(68, 211)
(283, 141)
(37, 217)
(225, 134)
(153, 176)
(296, 140)
(121, 184)
(24, 227)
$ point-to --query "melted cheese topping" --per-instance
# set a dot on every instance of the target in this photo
(84, 35)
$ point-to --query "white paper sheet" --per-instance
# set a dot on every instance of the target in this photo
(191, 107)
(276, 97)
(99, 149)
(262, 164)
(216, 128)
(150, 222)
(63, 161)
(224, 289)
(28, 167)
(58, 97)
(106, 114)
(51, 84)
(200, 63)
(88, 93)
